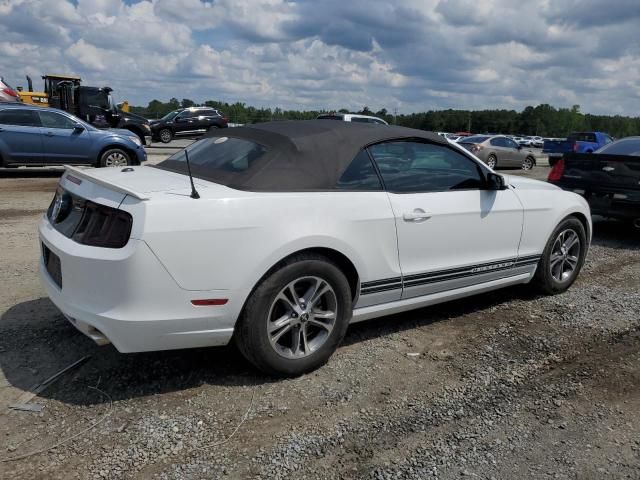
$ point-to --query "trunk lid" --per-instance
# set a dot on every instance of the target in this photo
(602, 172)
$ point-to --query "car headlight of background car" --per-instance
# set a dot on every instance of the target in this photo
(135, 140)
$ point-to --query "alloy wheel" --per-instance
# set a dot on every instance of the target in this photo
(116, 159)
(527, 164)
(165, 136)
(565, 255)
(302, 317)
(491, 162)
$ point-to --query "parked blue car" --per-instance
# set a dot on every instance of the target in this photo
(39, 136)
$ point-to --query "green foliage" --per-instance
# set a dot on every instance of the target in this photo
(544, 120)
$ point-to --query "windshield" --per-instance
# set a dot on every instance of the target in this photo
(170, 115)
(475, 139)
(626, 146)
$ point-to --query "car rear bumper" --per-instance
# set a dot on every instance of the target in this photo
(126, 297)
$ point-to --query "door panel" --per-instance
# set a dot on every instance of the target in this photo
(62, 143)
(452, 231)
(469, 237)
(20, 136)
(23, 144)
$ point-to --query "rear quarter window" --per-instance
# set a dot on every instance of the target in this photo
(217, 159)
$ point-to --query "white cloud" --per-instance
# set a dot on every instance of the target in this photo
(419, 55)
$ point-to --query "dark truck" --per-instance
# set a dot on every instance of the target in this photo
(609, 178)
(95, 105)
(577, 142)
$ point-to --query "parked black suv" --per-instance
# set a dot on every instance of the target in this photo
(186, 121)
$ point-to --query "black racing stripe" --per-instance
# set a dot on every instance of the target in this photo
(380, 289)
(414, 280)
(456, 276)
(529, 257)
(456, 270)
(376, 283)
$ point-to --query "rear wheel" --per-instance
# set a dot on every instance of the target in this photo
(115, 157)
(563, 257)
(528, 163)
(296, 318)
(165, 135)
(492, 161)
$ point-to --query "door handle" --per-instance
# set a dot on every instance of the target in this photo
(49, 134)
(417, 215)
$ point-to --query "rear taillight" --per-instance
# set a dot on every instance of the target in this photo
(103, 226)
(557, 171)
(11, 92)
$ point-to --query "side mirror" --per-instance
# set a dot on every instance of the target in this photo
(78, 127)
(495, 182)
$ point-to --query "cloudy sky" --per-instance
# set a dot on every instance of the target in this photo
(412, 55)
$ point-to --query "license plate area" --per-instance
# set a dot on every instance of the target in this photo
(52, 264)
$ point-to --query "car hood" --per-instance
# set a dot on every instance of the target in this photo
(524, 183)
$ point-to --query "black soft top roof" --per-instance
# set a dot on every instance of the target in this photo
(302, 155)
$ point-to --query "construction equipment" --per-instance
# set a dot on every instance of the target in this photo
(95, 105)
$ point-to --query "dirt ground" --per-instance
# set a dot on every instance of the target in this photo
(507, 385)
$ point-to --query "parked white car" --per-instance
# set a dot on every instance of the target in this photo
(293, 230)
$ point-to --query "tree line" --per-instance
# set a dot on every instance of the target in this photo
(544, 120)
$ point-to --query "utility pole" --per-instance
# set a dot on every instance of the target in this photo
(395, 114)
(469, 123)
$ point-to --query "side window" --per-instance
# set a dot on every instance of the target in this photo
(497, 142)
(21, 118)
(55, 120)
(359, 119)
(360, 175)
(510, 143)
(187, 114)
(412, 167)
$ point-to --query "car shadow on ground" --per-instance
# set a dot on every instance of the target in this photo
(36, 341)
(615, 234)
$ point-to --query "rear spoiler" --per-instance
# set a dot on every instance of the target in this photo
(86, 174)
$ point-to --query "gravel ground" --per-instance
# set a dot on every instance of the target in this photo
(507, 385)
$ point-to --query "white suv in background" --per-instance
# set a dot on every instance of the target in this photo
(352, 117)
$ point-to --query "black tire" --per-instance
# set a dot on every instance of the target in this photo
(492, 159)
(544, 278)
(165, 135)
(114, 157)
(213, 128)
(528, 163)
(252, 337)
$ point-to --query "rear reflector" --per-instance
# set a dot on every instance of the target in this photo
(209, 302)
(557, 171)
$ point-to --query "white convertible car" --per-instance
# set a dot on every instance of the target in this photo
(291, 231)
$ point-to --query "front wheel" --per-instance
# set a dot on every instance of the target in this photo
(115, 157)
(165, 135)
(563, 257)
(296, 318)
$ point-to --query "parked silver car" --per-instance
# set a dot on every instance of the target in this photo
(499, 151)
(7, 94)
